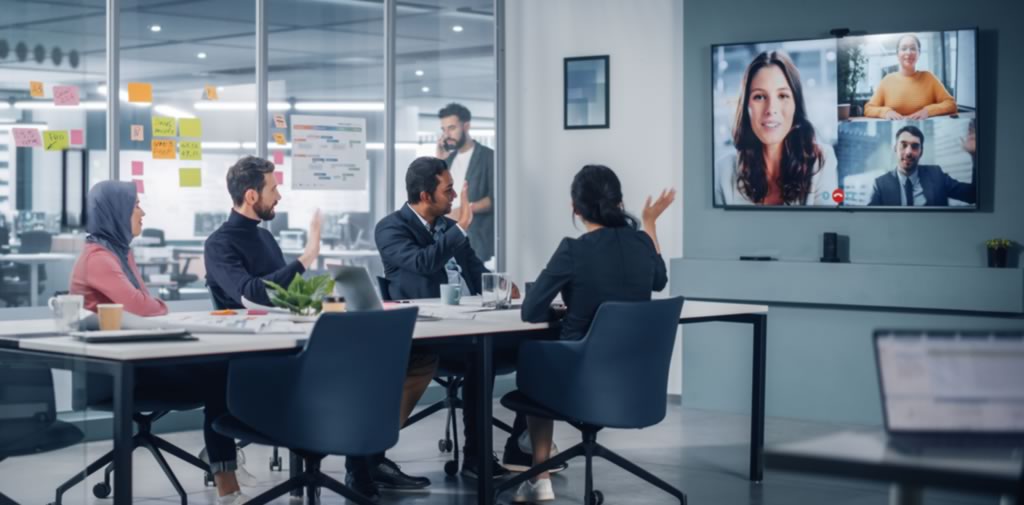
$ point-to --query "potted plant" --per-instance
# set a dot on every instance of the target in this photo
(998, 251)
(304, 297)
(852, 68)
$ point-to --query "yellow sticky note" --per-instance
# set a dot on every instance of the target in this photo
(55, 140)
(163, 149)
(35, 89)
(190, 178)
(190, 127)
(279, 138)
(140, 92)
(164, 127)
(190, 150)
(210, 92)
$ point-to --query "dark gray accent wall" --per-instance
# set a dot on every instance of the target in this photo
(820, 363)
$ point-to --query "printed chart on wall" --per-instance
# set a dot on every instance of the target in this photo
(328, 152)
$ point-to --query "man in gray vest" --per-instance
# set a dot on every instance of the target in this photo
(473, 163)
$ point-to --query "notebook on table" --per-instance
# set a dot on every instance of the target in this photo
(118, 336)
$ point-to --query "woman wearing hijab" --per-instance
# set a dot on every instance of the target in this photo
(106, 273)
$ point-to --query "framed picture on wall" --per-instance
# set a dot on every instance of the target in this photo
(586, 93)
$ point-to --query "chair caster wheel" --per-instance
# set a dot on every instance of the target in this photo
(208, 479)
(101, 490)
(596, 497)
(441, 446)
(276, 464)
(451, 468)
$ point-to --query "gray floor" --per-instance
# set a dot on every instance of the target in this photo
(703, 453)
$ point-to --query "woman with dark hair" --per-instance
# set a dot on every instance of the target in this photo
(909, 93)
(612, 261)
(777, 160)
(106, 272)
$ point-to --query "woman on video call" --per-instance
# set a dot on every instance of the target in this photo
(909, 93)
(777, 159)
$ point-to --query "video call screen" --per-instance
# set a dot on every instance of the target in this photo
(874, 121)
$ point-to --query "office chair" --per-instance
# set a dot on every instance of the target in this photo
(30, 424)
(615, 377)
(180, 277)
(147, 411)
(450, 375)
(279, 400)
(15, 285)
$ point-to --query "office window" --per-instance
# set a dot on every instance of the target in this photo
(326, 87)
(445, 54)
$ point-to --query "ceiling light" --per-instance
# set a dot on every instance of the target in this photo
(457, 28)
(167, 110)
(36, 126)
(425, 89)
(419, 73)
(201, 56)
(35, 105)
(155, 28)
(218, 105)
(340, 106)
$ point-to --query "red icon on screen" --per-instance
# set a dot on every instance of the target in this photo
(838, 195)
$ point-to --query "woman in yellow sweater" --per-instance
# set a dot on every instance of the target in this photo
(909, 93)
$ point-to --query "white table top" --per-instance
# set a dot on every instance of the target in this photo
(456, 322)
(37, 257)
(326, 253)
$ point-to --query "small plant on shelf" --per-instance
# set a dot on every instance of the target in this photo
(998, 251)
(303, 297)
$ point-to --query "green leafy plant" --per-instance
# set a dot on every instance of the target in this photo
(303, 297)
(998, 243)
(852, 68)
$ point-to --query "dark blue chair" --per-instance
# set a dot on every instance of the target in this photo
(339, 396)
(614, 377)
(28, 423)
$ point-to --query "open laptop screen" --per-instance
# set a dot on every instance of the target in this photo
(949, 382)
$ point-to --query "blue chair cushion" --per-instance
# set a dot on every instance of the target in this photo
(517, 401)
(232, 427)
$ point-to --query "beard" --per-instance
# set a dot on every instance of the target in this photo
(457, 144)
(264, 212)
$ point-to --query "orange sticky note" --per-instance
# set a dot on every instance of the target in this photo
(140, 188)
(210, 92)
(138, 132)
(278, 157)
(279, 177)
(35, 89)
(279, 138)
(65, 95)
(140, 92)
(77, 137)
(163, 149)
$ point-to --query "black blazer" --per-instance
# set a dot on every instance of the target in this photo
(608, 264)
(938, 188)
(414, 262)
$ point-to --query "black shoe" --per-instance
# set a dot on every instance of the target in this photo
(387, 475)
(363, 486)
(517, 461)
(469, 468)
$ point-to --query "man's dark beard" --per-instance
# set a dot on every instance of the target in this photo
(458, 145)
(264, 213)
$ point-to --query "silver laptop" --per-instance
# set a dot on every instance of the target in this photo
(355, 285)
(954, 386)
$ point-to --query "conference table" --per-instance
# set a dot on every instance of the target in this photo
(33, 260)
(477, 330)
(345, 256)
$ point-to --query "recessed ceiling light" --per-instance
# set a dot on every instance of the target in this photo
(201, 56)
(155, 28)
(425, 89)
(419, 73)
(457, 28)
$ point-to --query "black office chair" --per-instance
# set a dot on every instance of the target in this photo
(147, 411)
(29, 422)
(615, 377)
(15, 285)
(450, 375)
(279, 400)
(181, 277)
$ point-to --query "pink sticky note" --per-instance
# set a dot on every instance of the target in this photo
(77, 137)
(279, 177)
(279, 157)
(65, 95)
(27, 137)
(140, 188)
(137, 168)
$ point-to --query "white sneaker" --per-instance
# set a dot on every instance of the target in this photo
(526, 445)
(236, 498)
(245, 478)
(530, 492)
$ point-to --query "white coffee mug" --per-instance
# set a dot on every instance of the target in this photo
(66, 312)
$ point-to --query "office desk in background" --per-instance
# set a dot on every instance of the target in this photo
(345, 256)
(33, 260)
(479, 335)
(868, 454)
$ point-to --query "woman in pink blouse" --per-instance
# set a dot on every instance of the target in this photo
(106, 273)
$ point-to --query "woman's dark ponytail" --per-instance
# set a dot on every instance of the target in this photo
(597, 197)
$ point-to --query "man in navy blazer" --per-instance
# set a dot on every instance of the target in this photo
(911, 184)
(418, 244)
